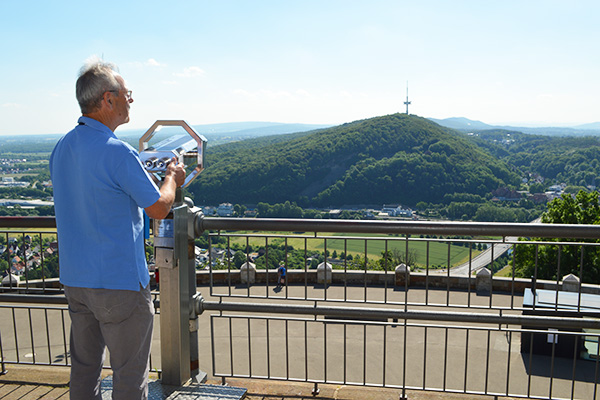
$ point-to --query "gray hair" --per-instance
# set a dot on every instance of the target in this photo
(95, 78)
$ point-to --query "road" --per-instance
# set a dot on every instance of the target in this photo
(485, 258)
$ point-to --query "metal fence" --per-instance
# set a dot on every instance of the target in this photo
(445, 325)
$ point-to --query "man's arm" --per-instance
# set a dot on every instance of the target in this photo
(174, 178)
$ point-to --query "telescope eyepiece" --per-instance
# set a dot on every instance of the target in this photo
(149, 163)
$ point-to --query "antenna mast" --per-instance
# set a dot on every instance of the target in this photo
(407, 102)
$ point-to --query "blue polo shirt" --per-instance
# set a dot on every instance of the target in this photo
(100, 189)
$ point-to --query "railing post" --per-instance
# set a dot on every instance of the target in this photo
(174, 255)
(3, 371)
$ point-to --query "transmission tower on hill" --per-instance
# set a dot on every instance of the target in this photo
(407, 102)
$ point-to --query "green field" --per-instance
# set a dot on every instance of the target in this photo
(438, 251)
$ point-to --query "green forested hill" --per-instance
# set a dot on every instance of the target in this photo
(574, 161)
(391, 159)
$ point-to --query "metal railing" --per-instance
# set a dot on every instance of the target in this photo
(427, 329)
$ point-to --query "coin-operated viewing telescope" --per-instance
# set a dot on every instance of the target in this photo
(173, 239)
(188, 149)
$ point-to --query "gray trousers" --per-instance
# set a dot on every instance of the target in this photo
(121, 320)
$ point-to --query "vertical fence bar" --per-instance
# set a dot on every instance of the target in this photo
(492, 276)
(558, 277)
(508, 362)
(210, 268)
(597, 339)
(3, 370)
(487, 362)
(15, 331)
(466, 359)
(286, 268)
(249, 348)
(247, 263)
(287, 350)
(345, 353)
(67, 354)
(384, 355)
(10, 279)
(425, 356)
(230, 346)
(324, 352)
(427, 273)
(306, 350)
(364, 354)
(305, 269)
(48, 335)
(385, 272)
(24, 254)
(267, 262)
(469, 274)
(325, 285)
(552, 355)
(267, 270)
(267, 323)
(212, 342)
(530, 364)
(445, 357)
(345, 271)
(448, 276)
(42, 263)
(404, 356)
(512, 282)
(580, 279)
(575, 355)
(229, 267)
(365, 274)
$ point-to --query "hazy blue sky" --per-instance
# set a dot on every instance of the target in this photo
(511, 62)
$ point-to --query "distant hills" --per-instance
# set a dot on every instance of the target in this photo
(215, 133)
(392, 159)
(465, 125)
(227, 132)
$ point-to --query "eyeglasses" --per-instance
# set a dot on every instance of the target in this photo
(127, 93)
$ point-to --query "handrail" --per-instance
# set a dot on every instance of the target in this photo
(398, 227)
(27, 222)
(502, 229)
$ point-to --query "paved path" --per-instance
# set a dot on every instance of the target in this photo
(51, 383)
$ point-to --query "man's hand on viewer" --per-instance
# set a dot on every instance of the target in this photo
(174, 178)
(176, 171)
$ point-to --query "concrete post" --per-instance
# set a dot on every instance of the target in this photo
(570, 283)
(483, 281)
(402, 275)
(324, 273)
(248, 273)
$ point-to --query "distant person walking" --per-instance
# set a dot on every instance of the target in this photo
(281, 272)
(100, 189)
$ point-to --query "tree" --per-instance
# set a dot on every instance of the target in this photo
(239, 258)
(584, 208)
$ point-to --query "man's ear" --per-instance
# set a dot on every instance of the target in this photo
(107, 98)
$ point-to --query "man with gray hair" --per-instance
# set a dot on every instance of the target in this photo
(100, 192)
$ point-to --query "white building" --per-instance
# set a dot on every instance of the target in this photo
(225, 210)
(397, 211)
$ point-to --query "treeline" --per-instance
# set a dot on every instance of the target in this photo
(25, 192)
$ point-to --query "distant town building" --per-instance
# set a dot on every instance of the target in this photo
(9, 181)
(24, 203)
(225, 210)
(396, 210)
